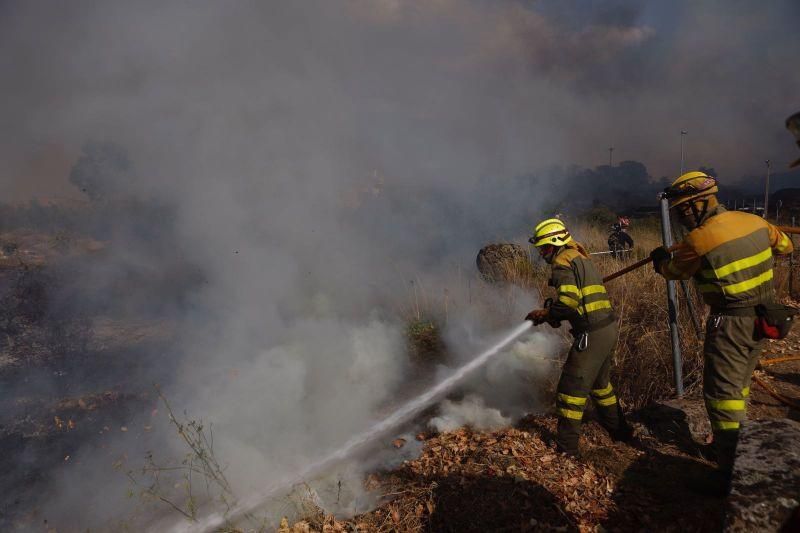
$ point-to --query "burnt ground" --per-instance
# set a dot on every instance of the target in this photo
(70, 384)
(69, 378)
(55, 406)
(508, 480)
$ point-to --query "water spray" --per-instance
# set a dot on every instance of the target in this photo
(398, 417)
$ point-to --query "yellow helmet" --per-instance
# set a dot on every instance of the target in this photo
(551, 231)
(690, 186)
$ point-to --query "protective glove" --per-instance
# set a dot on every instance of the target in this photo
(537, 316)
(659, 255)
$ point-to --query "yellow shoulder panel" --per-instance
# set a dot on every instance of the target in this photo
(724, 227)
(566, 257)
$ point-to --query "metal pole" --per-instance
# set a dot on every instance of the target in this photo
(690, 307)
(683, 133)
(677, 370)
(610, 150)
(766, 191)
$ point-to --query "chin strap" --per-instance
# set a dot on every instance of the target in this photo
(699, 214)
(551, 253)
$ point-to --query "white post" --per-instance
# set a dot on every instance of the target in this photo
(766, 190)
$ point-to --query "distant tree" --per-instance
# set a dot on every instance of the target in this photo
(102, 170)
(708, 170)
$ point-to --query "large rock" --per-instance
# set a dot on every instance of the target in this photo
(503, 262)
(765, 488)
(683, 422)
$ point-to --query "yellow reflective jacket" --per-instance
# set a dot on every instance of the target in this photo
(730, 256)
(582, 298)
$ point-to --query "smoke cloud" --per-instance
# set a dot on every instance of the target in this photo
(315, 158)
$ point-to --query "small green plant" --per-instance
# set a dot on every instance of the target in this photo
(425, 343)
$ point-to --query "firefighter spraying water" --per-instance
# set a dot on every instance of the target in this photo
(583, 301)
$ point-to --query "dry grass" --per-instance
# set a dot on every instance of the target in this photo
(643, 369)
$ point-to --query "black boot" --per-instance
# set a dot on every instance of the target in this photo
(567, 437)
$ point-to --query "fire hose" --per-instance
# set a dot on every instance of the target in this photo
(643, 262)
(639, 264)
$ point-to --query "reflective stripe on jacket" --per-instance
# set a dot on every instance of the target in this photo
(582, 298)
(730, 256)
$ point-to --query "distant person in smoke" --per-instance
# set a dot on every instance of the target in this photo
(619, 234)
(730, 256)
(582, 300)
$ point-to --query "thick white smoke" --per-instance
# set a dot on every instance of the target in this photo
(322, 156)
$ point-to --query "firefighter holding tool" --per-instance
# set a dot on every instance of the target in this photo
(730, 256)
(582, 300)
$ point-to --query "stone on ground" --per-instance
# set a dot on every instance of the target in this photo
(765, 487)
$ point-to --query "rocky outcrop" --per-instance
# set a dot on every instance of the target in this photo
(503, 262)
(765, 487)
(681, 422)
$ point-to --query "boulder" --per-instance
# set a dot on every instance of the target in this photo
(765, 486)
(682, 422)
(502, 262)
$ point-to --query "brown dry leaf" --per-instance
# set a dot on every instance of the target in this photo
(419, 509)
(395, 516)
(301, 527)
(399, 443)
(284, 526)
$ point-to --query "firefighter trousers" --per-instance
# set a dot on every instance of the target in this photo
(586, 374)
(731, 352)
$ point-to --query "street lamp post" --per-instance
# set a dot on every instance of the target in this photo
(683, 133)
(610, 151)
(766, 190)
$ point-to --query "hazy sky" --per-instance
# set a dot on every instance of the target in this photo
(547, 81)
